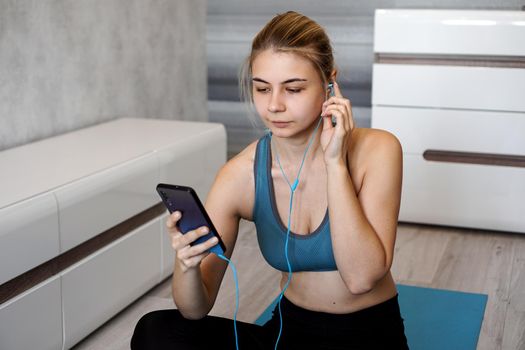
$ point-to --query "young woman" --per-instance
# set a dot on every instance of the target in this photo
(343, 222)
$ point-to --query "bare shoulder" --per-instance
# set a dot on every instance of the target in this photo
(372, 145)
(235, 181)
(240, 167)
(370, 151)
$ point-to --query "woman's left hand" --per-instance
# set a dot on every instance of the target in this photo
(335, 139)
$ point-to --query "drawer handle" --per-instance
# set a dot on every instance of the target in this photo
(450, 60)
(475, 158)
(31, 278)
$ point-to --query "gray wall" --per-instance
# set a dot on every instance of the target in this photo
(232, 25)
(68, 64)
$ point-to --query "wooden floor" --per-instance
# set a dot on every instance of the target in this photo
(486, 262)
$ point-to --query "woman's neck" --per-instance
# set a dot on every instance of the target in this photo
(292, 150)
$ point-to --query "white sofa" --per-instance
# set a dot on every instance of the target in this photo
(81, 227)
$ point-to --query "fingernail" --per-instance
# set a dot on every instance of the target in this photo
(177, 214)
(204, 230)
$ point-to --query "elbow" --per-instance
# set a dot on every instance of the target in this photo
(358, 288)
(190, 312)
(362, 284)
(194, 316)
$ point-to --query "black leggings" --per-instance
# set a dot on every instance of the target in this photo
(377, 327)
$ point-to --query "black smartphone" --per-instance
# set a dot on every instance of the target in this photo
(185, 200)
(331, 92)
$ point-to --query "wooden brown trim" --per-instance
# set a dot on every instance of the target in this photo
(451, 60)
(61, 262)
(475, 158)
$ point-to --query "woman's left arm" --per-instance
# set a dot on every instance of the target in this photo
(363, 225)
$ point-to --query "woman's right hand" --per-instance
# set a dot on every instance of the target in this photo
(187, 256)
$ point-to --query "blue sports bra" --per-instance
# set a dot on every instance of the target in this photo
(312, 252)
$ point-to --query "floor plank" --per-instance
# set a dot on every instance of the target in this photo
(480, 264)
(417, 254)
(514, 333)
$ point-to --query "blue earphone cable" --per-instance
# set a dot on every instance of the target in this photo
(293, 187)
(289, 269)
(234, 270)
(296, 182)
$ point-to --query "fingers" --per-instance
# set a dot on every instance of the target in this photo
(181, 243)
(180, 240)
(337, 90)
(172, 220)
(191, 256)
(341, 115)
(192, 261)
(327, 121)
(189, 251)
(339, 107)
(190, 236)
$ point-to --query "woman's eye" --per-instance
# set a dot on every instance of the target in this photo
(294, 90)
(262, 89)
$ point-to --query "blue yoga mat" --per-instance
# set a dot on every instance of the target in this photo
(435, 319)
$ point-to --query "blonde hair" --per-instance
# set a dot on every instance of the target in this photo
(290, 32)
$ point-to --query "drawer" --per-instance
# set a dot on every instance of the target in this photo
(33, 320)
(453, 130)
(479, 88)
(449, 32)
(98, 202)
(465, 195)
(28, 235)
(96, 288)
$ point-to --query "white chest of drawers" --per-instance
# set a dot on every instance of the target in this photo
(60, 194)
(451, 86)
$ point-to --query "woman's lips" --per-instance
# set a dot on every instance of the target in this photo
(279, 124)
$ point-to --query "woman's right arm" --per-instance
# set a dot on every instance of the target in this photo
(198, 274)
(190, 292)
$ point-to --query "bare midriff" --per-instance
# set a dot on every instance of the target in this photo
(327, 292)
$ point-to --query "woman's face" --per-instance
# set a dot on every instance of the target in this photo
(287, 92)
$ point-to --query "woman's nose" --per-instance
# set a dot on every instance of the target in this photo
(276, 103)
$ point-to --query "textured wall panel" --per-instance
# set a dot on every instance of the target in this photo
(70, 64)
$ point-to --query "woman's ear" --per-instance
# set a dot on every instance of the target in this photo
(333, 75)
